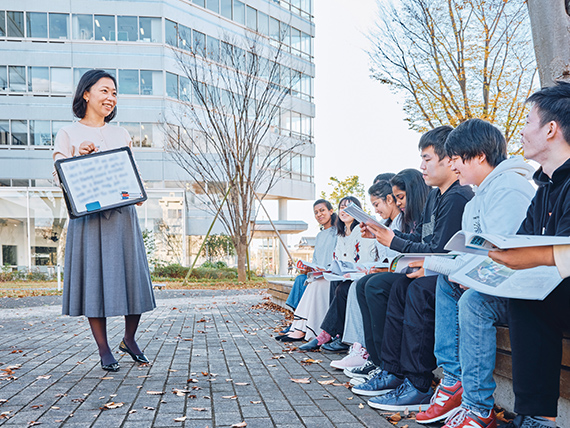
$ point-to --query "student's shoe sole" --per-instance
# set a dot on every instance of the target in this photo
(352, 375)
(357, 381)
(401, 408)
(370, 393)
(436, 419)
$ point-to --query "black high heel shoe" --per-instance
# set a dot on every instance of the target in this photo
(137, 358)
(113, 367)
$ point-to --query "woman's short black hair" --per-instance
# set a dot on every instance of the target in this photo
(340, 227)
(475, 137)
(85, 83)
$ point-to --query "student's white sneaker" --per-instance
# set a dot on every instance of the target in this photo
(355, 358)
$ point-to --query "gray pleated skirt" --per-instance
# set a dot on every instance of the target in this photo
(106, 271)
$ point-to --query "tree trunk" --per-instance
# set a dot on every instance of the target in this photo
(550, 25)
(241, 248)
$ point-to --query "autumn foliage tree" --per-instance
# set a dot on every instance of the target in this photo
(350, 186)
(457, 59)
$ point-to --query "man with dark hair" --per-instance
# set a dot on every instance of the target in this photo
(465, 335)
(405, 357)
(536, 326)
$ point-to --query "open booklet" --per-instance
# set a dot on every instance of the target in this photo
(484, 275)
(303, 265)
(355, 211)
(399, 264)
(343, 271)
(481, 243)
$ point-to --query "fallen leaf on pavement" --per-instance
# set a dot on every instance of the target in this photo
(199, 409)
(326, 382)
(255, 402)
(361, 406)
(231, 397)
(240, 425)
(180, 419)
(277, 357)
(44, 377)
(303, 380)
(112, 405)
(241, 383)
(148, 408)
(155, 392)
(396, 417)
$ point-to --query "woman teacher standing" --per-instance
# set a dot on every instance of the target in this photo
(106, 271)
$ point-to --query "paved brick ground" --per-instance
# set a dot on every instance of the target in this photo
(220, 339)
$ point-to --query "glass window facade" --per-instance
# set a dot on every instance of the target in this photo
(171, 85)
(37, 25)
(127, 28)
(184, 37)
(226, 8)
(38, 79)
(82, 27)
(42, 245)
(40, 133)
(239, 12)
(150, 30)
(15, 25)
(19, 132)
(61, 80)
(151, 83)
(199, 43)
(104, 27)
(17, 76)
(128, 82)
(3, 77)
(171, 32)
(2, 23)
(213, 5)
(59, 26)
(251, 18)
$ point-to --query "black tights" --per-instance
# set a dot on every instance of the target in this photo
(99, 330)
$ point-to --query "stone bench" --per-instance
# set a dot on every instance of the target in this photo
(279, 291)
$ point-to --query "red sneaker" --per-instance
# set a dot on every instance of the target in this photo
(464, 418)
(443, 404)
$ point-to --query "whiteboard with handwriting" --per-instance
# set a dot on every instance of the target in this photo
(100, 181)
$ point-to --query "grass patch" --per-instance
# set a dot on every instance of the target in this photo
(19, 289)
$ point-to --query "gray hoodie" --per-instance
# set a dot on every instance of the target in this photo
(501, 200)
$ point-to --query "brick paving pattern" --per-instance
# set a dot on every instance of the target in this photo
(215, 347)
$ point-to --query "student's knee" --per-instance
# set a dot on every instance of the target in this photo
(474, 306)
(447, 289)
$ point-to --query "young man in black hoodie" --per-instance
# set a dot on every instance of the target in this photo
(406, 365)
(536, 326)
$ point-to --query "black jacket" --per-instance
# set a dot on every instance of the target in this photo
(441, 219)
(549, 211)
